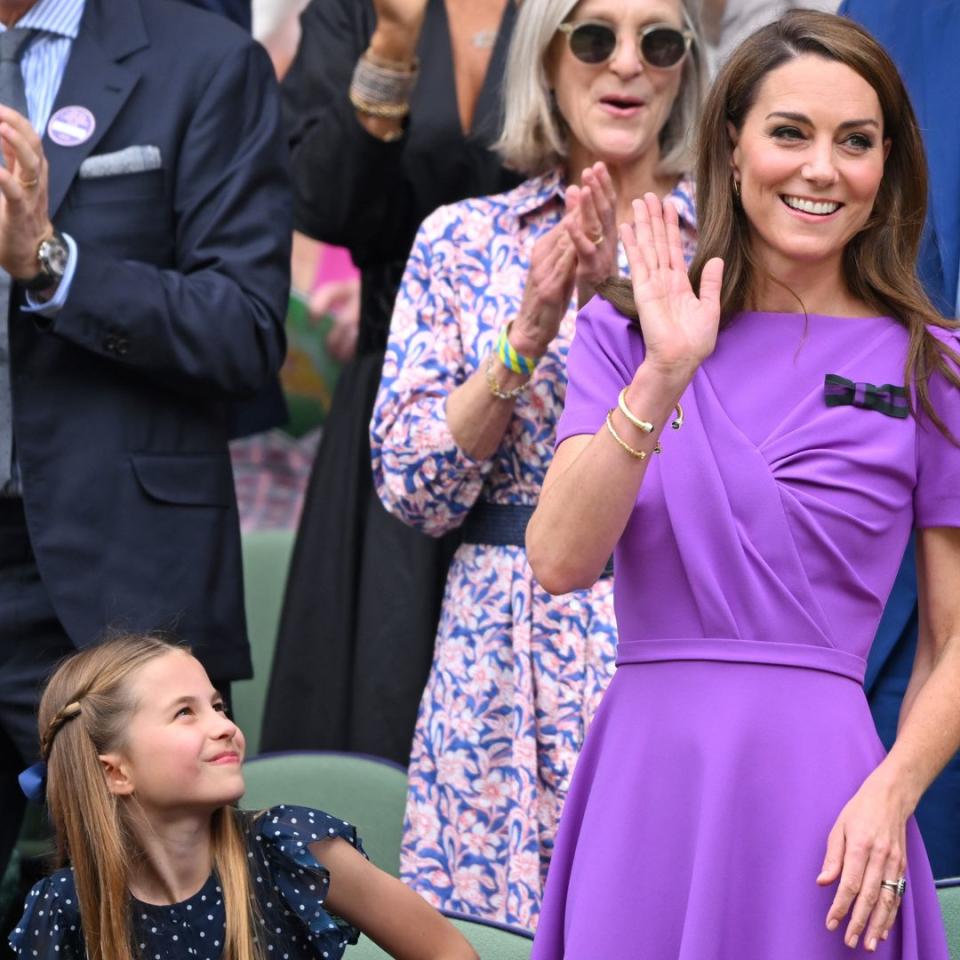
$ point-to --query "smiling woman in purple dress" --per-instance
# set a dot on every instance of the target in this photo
(732, 798)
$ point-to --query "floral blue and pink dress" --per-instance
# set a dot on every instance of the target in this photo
(517, 674)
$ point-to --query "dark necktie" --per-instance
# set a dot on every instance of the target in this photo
(13, 43)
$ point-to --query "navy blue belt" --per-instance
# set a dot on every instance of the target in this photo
(503, 525)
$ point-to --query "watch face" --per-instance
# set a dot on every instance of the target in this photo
(53, 255)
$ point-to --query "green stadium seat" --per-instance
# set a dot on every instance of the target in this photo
(366, 791)
(266, 559)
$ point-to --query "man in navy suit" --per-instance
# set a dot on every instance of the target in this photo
(924, 40)
(144, 244)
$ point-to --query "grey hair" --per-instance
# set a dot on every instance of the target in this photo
(533, 138)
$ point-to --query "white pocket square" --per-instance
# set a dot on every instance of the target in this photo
(130, 160)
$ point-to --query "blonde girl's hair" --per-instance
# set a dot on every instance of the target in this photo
(880, 261)
(534, 137)
(84, 712)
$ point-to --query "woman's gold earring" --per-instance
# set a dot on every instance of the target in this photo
(736, 190)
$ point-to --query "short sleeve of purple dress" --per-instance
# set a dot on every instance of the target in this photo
(749, 583)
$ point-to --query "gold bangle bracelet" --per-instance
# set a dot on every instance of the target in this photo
(385, 111)
(643, 425)
(495, 387)
(636, 454)
(677, 421)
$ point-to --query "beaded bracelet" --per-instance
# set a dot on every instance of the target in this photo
(637, 454)
(510, 358)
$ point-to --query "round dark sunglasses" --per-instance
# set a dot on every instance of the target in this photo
(595, 42)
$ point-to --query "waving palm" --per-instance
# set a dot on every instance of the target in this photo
(679, 328)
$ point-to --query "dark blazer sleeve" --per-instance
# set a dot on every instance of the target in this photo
(349, 186)
(213, 324)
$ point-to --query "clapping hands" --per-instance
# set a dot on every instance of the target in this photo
(578, 252)
(591, 225)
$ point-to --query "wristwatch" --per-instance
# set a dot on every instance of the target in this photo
(52, 255)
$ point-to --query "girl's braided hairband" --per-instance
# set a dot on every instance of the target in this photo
(57, 721)
(33, 780)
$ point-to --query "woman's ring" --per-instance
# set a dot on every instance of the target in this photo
(596, 241)
(898, 887)
(29, 183)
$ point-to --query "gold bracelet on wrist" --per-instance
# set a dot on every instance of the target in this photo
(495, 387)
(386, 111)
(636, 454)
(645, 425)
(677, 421)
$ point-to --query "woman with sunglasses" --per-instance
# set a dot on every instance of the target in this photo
(733, 799)
(599, 97)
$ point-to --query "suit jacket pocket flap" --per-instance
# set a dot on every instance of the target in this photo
(189, 479)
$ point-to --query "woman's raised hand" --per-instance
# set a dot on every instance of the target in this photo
(679, 328)
(547, 292)
(591, 224)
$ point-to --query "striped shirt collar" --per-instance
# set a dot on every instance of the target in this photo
(59, 17)
(534, 194)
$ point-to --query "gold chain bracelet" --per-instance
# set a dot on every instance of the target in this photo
(495, 387)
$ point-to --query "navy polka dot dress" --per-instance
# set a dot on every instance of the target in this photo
(290, 883)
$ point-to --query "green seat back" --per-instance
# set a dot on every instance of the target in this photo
(490, 942)
(365, 791)
(949, 894)
(266, 559)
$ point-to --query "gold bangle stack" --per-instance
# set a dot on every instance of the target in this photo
(495, 387)
(382, 88)
(636, 454)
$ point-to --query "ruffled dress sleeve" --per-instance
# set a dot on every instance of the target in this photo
(936, 498)
(50, 926)
(282, 837)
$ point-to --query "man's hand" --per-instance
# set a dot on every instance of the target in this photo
(24, 208)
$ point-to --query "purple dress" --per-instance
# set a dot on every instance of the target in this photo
(748, 586)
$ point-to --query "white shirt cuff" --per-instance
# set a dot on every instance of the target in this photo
(50, 308)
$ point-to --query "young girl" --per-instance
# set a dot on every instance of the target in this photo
(143, 771)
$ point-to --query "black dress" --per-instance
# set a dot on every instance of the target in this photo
(289, 882)
(363, 598)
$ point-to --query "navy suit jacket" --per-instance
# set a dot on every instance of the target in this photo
(924, 41)
(237, 10)
(121, 402)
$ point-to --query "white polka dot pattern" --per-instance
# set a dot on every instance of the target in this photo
(290, 883)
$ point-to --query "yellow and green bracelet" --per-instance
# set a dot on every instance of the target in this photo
(510, 358)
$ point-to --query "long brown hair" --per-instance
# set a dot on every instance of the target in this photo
(880, 261)
(84, 712)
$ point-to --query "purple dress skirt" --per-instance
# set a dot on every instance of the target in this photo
(749, 583)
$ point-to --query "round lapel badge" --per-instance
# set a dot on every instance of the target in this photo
(71, 126)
